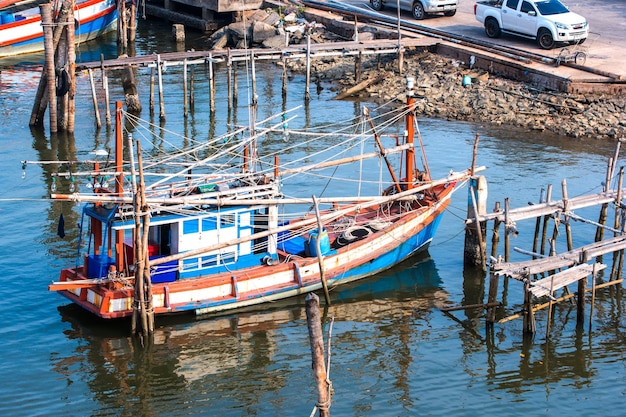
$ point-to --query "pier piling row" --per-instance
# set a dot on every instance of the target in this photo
(548, 271)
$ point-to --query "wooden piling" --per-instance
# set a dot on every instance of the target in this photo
(529, 315)
(357, 67)
(580, 305)
(71, 63)
(94, 98)
(160, 80)
(616, 222)
(211, 85)
(605, 207)
(546, 219)
(316, 341)
(229, 79)
(255, 97)
(192, 89)
(151, 91)
(185, 97)
(568, 226)
(475, 248)
(307, 93)
(537, 227)
(495, 238)
(131, 96)
(105, 87)
(49, 49)
(507, 232)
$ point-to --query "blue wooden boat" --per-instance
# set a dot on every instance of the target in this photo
(223, 237)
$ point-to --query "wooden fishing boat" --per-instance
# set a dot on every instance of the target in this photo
(21, 31)
(222, 237)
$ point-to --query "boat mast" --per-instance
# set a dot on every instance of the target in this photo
(410, 131)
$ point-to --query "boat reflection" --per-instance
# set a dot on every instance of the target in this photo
(194, 348)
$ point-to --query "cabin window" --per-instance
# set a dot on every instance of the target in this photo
(227, 220)
(190, 226)
(209, 224)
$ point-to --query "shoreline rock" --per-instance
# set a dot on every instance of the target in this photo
(449, 88)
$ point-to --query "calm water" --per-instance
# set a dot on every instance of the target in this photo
(394, 352)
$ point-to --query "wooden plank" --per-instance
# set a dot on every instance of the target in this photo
(523, 269)
(563, 279)
(550, 207)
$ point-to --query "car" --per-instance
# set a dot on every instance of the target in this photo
(419, 8)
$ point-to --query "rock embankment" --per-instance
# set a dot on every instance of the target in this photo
(440, 83)
(449, 88)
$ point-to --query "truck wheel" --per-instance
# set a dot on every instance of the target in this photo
(377, 5)
(418, 11)
(492, 28)
(450, 13)
(545, 39)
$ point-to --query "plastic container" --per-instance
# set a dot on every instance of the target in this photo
(311, 244)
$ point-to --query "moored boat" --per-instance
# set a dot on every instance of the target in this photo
(21, 28)
(219, 235)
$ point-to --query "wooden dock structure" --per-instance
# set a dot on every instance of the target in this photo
(548, 271)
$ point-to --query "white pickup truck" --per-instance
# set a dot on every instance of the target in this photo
(547, 21)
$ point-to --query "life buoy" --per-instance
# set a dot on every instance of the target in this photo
(62, 82)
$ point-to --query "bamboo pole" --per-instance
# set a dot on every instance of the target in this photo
(151, 91)
(316, 341)
(212, 84)
(307, 93)
(94, 98)
(320, 258)
(160, 80)
(185, 97)
(229, 79)
(507, 232)
(105, 86)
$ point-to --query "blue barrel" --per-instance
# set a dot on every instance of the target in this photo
(311, 245)
(6, 17)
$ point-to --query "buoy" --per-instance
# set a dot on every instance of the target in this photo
(467, 80)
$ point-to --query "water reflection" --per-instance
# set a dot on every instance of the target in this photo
(239, 351)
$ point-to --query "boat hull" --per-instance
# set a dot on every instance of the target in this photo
(25, 35)
(264, 283)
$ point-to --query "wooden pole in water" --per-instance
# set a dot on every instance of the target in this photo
(152, 91)
(568, 226)
(580, 305)
(71, 58)
(320, 259)
(105, 86)
(357, 67)
(284, 78)
(316, 341)
(235, 85)
(132, 29)
(94, 98)
(507, 232)
(616, 222)
(605, 207)
(47, 22)
(529, 316)
(41, 99)
(192, 86)
(133, 103)
(229, 79)
(160, 79)
(212, 84)
(255, 97)
(307, 93)
(546, 219)
(495, 238)
(185, 97)
(537, 227)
